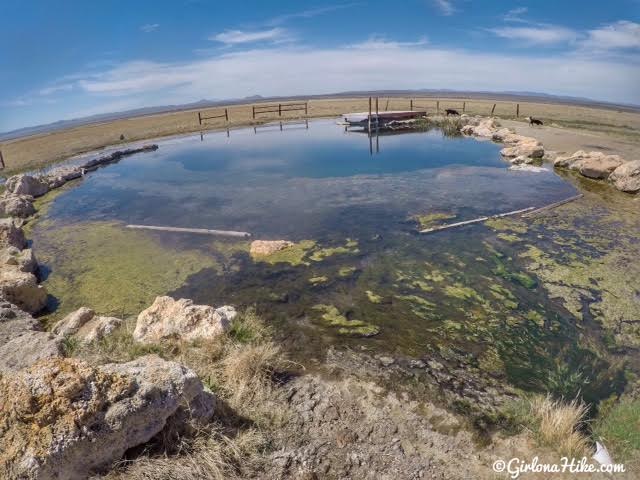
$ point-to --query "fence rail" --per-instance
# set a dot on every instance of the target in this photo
(224, 115)
(279, 108)
(460, 105)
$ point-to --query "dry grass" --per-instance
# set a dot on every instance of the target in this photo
(38, 150)
(557, 425)
(239, 367)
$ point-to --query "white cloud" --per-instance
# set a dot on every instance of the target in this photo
(150, 27)
(515, 14)
(310, 13)
(319, 71)
(234, 37)
(67, 87)
(619, 35)
(445, 6)
(377, 42)
(537, 35)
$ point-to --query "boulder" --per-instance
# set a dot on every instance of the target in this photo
(169, 318)
(85, 325)
(485, 128)
(27, 185)
(599, 167)
(627, 177)
(72, 322)
(97, 328)
(22, 289)
(23, 260)
(14, 322)
(64, 418)
(16, 205)
(526, 147)
(267, 247)
(11, 235)
(26, 349)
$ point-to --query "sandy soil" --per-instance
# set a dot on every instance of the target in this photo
(575, 127)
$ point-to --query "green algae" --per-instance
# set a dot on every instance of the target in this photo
(114, 270)
(507, 298)
(505, 224)
(346, 271)
(508, 237)
(293, 255)
(332, 317)
(350, 247)
(518, 277)
(430, 220)
(536, 317)
(460, 291)
(318, 280)
(373, 298)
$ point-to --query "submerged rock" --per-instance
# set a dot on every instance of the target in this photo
(63, 418)
(268, 247)
(15, 205)
(626, 177)
(169, 318)
(27, 185)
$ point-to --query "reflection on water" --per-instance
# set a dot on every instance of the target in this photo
(461, 293)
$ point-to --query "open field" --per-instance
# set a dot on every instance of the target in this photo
(578, 127)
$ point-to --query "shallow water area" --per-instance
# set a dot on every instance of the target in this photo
(359, 275)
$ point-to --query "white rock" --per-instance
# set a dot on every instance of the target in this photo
(169, 318)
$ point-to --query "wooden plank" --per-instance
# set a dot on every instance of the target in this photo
(202, 231)
(476, 220)
(553, 205)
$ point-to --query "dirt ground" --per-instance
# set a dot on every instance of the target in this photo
(567, 127)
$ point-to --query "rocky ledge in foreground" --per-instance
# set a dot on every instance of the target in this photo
(625, 176)
(17, 201)
(63, 418)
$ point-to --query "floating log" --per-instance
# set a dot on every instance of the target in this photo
(202, 231)
(476, 220)
(553, 205)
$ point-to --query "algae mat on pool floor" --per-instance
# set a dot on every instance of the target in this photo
(111, 269)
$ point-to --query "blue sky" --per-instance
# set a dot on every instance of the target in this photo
(68, 59)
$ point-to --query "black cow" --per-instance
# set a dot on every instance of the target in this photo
(451, 111)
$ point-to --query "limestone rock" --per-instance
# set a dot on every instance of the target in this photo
(23, 260)
(22, 289)
(267, 247)
(169, 318)
(72, 322)
(599, 167)
(63, 418)
(627, 177)
(17, 205)
(525, 147)
(97, 328)
(485, 128)
(27, 185)
(25, 349)
(85, 325)
(11, 235)
(14, 322)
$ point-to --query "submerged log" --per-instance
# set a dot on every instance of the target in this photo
(476, 220)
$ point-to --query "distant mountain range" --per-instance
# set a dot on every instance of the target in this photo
(204, 103)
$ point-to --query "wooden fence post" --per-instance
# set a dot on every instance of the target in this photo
(1, 161)
(438, 106)
(305, 109)
(517, 110)
(254, 111)
(199, 118)
(279, 109)
(369, 114)
(411, 104)
(226, 114)
(377, 113)
(464, 104)
(493, 109)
